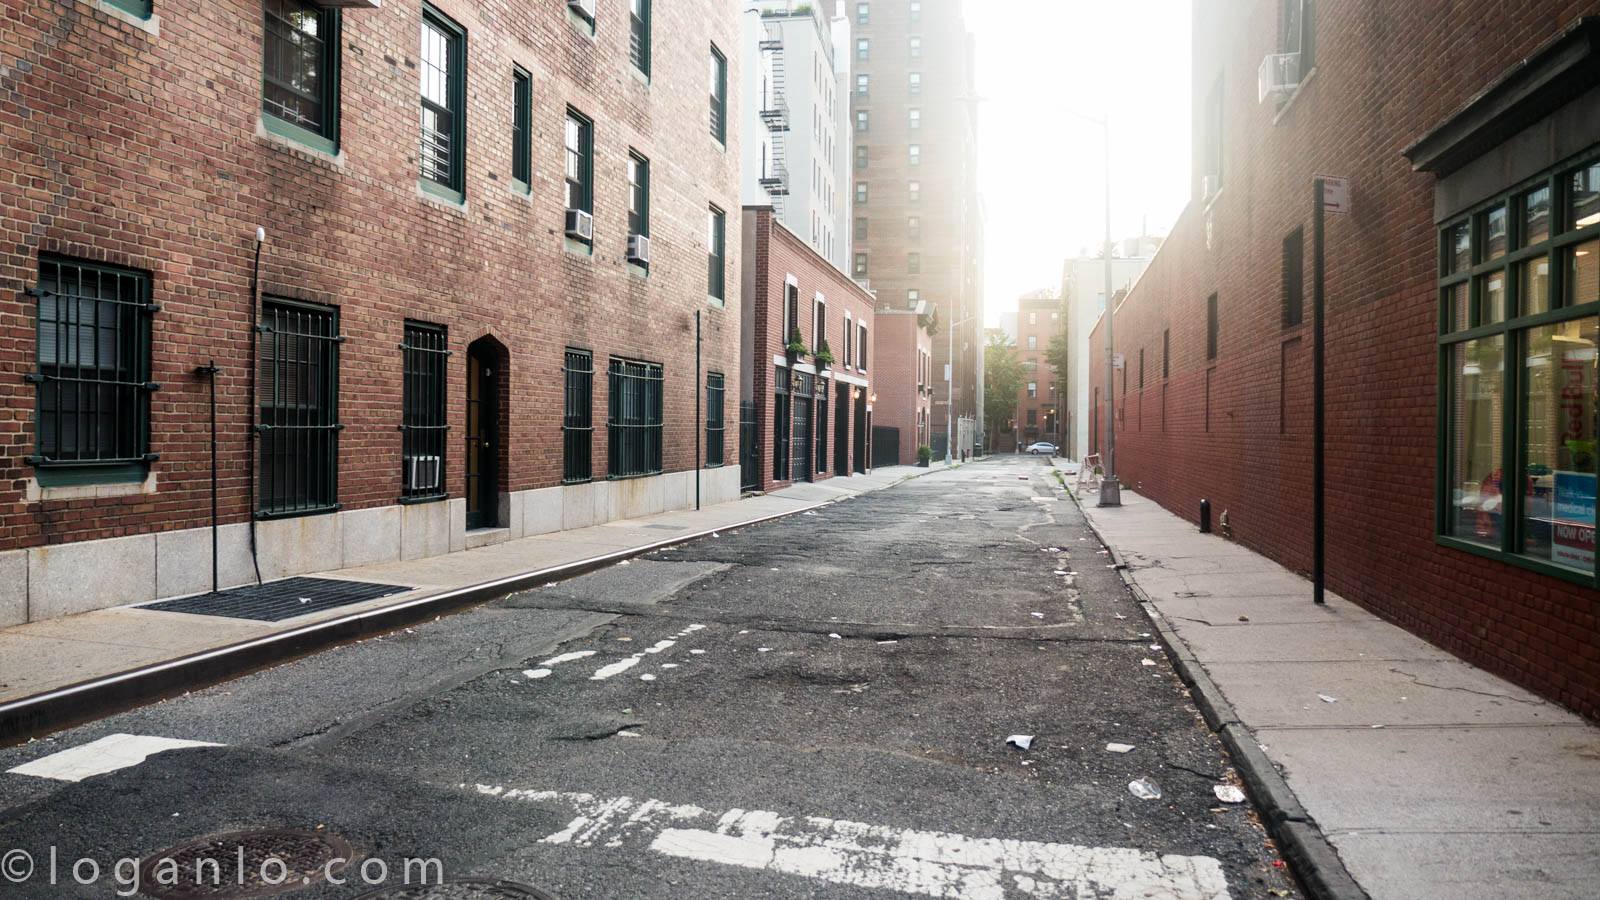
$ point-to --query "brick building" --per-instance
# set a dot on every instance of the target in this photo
(457, 332)
(902, 384)
(813, 416)
(917, 222)
(1462, 292)
(1039, 396)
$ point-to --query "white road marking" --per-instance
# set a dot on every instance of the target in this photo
(536, 674)
(926, 863)
(623, 665)
(567, 657)
(110, 753)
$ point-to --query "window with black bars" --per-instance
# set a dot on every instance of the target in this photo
(577, 422)
(443, 79)
(299, 418)
(715, 425)
(635, 424)
(639, 34)
(423, 428)
(93, 353)
(300, 66)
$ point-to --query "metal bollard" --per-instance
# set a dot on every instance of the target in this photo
(1205, 516)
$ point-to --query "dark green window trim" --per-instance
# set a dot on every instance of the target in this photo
(638, 194)
(324, 136)
(639, 35)
(521, 130)
(1513, 328)
(719, 96)
(443, 150)
(717, 260)
(92, 370)
(140, 8)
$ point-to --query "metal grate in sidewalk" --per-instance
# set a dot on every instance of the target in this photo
(279, 600)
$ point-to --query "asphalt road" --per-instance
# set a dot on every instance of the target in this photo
(813, 707)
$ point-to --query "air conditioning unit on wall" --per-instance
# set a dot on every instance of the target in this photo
(1279, 75)
(584, 8)
(580, 225)
(422, 473)
(639, 249)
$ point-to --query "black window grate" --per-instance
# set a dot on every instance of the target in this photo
(299, 424)
(577, 423)
(715, 423)
(279, 600)
(93, 354)
(635, 423)
(822, 429)
(423, 428)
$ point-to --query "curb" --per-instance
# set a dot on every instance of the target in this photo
(62, 708)
(1312, 859)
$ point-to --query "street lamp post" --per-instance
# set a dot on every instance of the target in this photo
(1110, 489)
(949, 386)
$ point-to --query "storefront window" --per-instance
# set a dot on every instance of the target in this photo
(1559, 438)
(1519, 292)
(1477, 505)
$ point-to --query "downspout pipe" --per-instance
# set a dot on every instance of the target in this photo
(255, 407)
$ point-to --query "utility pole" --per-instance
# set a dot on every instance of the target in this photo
(1110, 490)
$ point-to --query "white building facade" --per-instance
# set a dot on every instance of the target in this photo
(1084, 289)
(795, 139)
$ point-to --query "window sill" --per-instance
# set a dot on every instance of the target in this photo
(289, 137)
(639, 75)
(298, 513)
(1521, 562)
(632, 477)
(583, 249)
(520, 188)
(441, 196)
(93, 483)
(639, 271)
(426, 498)
(150, 26)
(582, 25)
(718, 302)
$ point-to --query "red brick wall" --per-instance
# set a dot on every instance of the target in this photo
(1237, 431)
(901, 390)
(1042, 329)
(780, 254)
(142, 151)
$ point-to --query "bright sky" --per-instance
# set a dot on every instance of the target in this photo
(1040, 169)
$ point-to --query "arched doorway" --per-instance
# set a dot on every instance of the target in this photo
(482, 457)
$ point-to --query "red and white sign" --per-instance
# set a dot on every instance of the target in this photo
(1335, 193)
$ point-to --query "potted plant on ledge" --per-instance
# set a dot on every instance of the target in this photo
(924, 456)
(824, 355)
(796, 348)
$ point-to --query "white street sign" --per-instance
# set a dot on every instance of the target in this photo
(1335, 193)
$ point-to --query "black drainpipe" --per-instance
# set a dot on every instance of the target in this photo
(255, 408)
(209, 371)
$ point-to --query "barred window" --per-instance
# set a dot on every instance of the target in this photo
(444, 121)
(714, 420)
(423, 428)
(822, 428)
(300, 71)
(635, 423)
(577, 423)
(93, 387)
(299, 425)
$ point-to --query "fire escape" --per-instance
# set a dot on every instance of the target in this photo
(775, 112)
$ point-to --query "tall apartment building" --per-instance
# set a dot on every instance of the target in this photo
(794, 122)
(1083, 292)
(917, 221)
(490, 231)
(1462, 317)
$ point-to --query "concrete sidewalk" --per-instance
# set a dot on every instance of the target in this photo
(1429, 776)
(41, 659)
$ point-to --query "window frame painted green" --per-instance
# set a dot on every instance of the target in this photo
(322, 419)
(639, 30)
(861, 157)
(585, 152)
(456, 63)
(142, 9)
(716, 255)
(521, 130)
(1559, 246)
(638, 219)
(54, 471)
(331, 25)
(719, 97)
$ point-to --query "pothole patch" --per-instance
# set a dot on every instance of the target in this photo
(244, 864)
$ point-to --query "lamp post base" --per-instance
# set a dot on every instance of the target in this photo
(1110, 492)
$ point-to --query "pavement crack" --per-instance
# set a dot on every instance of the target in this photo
(1417, 680)
(1209, 776)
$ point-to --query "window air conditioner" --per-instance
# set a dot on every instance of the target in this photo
(422, 473)
(580, 225)
(583, 7)
(639, 249)
(1279, 75)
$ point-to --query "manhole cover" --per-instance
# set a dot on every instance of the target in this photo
(460, 890)
(244, 864)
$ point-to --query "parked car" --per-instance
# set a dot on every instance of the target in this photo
(1044, 447)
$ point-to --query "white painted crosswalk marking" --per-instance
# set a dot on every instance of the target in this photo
(927, 863)
(110, 753)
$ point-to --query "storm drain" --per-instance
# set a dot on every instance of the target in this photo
(244, 864)
(279, 600)
(460, 890)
